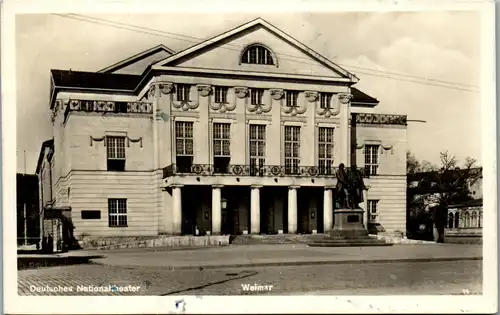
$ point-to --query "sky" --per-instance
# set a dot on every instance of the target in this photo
(377, 47)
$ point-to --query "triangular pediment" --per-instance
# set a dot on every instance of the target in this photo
(225, 51)
(139, 62)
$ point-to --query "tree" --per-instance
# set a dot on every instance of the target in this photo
(440, 187)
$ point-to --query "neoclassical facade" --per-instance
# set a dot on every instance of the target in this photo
(242, 133)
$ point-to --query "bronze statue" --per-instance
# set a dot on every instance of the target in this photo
(342, 191)
(350, 186)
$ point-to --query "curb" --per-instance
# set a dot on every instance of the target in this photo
(295, 263)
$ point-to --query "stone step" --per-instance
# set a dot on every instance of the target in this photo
(276, 239)
(348, 244)
(343, 242)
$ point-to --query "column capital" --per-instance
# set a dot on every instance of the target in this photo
(294, 187)
(256, 186)
(176, 185)
(329, 187)
(217, 186)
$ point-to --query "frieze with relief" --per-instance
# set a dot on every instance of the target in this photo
(223, 107)
(273, 94)
(190, 104)
(299, 109)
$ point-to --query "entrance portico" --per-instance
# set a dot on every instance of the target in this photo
(219, 209)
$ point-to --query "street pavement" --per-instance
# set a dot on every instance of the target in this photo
(282, 255)
(265, 269)
(399, 278)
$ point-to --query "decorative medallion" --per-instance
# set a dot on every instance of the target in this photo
(240, 91)
(275, 170)
(237, 170)
(311, 96)
(204, 90)
(166, 87)
(277, 94)
(345, 97)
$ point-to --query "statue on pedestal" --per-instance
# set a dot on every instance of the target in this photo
(350, 186)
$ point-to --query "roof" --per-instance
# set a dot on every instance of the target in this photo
(45, 144)
(273, 29)
(362, 98)
(126, 62)
(64, 79)
(95, 80)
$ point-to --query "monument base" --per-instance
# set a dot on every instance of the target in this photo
(348, 230)
(348, 224)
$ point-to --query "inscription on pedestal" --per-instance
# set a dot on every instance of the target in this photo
(352, 218)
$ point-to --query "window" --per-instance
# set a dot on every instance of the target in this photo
(220, 94)
(183, 92)
(222, 153)
(291, 98)
(257, 55)
(292, 149)
(91, 214)
(371, 159)
(325, 100)
(467, 220)
(184, 146)
(256, 96)
(450, 220)
(474, 219)
(117, 211)
(325, 150)
(257, 149)
(116, 153)
(372, 211)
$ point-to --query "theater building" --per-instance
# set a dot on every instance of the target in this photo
(241, 133)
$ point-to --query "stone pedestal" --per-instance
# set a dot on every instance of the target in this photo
(348, 224)
(348, 230)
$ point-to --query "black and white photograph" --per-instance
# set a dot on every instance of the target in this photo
(188, 155)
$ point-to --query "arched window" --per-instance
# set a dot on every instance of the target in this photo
(257, 54)
(467, 220)
(450, 220)
(474, 219)
(457, 220)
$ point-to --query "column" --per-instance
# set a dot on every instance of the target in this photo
(255, 209)
(343, 103)
(292, 209)
(328, 209)
(365, 207)
(176, 209)
(216, 210)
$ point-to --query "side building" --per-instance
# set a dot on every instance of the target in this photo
(218, 140)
